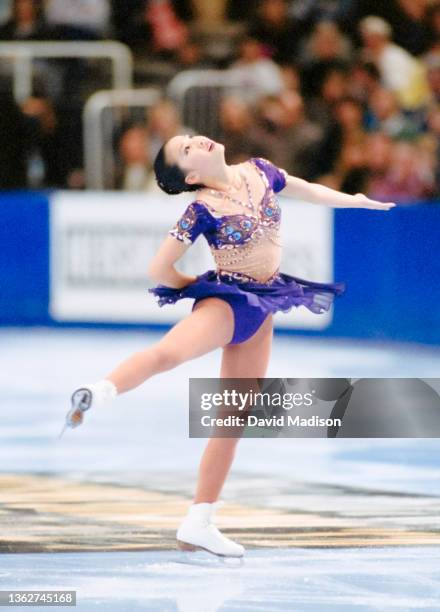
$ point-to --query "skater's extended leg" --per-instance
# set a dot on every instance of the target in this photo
(209, 326)
(247, 360)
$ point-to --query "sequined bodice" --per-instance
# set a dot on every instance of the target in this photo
(241, 244)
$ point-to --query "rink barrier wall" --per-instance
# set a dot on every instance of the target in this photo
(389, 261)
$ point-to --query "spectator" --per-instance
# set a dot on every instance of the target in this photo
(379, 160)
(134, 152)
(168, 32)
(351, 172)
(155, 28)
(190, 56)
(386, 116)
(344, 133)
(313, 11)
(398, 171)
(242, 10)
(433, 119)
(291, 77)
(335, 87)
(432, 63)
(48, 144)
(324, 50)
(238, 134)
(209, 14)
(349, 115)
(434, 23)
(410, 20)
(14, 144)
(269, 128)
(27, 22)
(253, 72)
(412, 27)
(276, 30)
(326, 43)
(303, 137)
(400, 71)
(79, 19)
(291, 139)
(310, 116)
(164, 122)
(125, 21)
(363, 81)
(5, 11)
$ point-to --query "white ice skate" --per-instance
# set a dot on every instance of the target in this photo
(84, 398)
(197, 532)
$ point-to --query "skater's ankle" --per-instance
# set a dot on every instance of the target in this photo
(103, 391)
(203, 512)
(216, 503)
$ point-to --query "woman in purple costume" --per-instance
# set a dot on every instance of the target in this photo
(236, 210)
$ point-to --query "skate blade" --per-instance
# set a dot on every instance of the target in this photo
(62, 432)
(208, 560)
(198, 555)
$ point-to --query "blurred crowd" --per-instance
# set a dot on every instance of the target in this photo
(341, 92)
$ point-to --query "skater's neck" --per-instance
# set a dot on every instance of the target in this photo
(226, 178)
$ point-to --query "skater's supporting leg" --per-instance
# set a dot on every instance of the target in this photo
(209, 326)
(247, 360)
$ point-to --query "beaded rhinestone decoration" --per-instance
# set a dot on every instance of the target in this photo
(241, 229)
(235, 240)
(185, 225)
(236, 229)
(226, 196)
(225, 275)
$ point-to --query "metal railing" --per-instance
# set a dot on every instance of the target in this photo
(98, 134)
(198, 93)
(22, 55)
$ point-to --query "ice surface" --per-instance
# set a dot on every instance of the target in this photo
(144, 436)
(146, 430)
(270, 580)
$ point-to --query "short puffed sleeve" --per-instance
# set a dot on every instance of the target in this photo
(277, 177)
(195, 220)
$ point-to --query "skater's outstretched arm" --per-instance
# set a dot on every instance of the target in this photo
(319, 194)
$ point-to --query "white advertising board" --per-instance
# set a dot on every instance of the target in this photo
(102, 242)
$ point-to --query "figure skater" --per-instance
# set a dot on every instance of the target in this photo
(236, 210)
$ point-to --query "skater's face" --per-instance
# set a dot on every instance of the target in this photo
(197, 156)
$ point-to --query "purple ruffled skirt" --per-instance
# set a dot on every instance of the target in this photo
(251, 301)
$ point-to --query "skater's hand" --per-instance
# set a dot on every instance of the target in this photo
(186, 280)
(192, 280)
(363, 202)
(183, 281)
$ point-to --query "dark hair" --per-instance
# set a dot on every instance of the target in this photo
(170, 177)
(371, 69)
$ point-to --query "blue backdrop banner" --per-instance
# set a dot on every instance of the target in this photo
(389, 262)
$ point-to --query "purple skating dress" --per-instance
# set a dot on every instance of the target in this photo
(247, 253)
